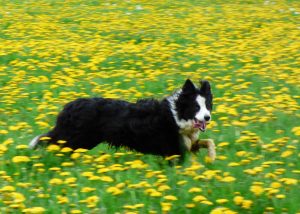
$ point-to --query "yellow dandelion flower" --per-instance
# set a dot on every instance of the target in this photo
(170, 198)
(23, 185)
(276, 185)
(221, 157)
(208, 159)
(233, 164)
(190, 205)
(8, 189)
(17, 197)
(45, 138)
(56, 181)
(155, 194)
(165, 207)
(222, 210)
(54, 169)
(106, 179)
(41, 195)
(286, 153)
(70, 180)
(61, 141)
(257, 189)
(238, 200)
(92, 199)
(53, 148)
(20, 159)
(42, 124)
(22, 146)
(34, 210)
(62, 199)
(75, 211)
(3, 148)
(280, 196)
(172, 157)
(223, 144)
(296, 131)
(120, 185)
(129, 207)
(87, 174)
(218, 210)
(222, 201)
(246, 204)
(228, 179)
(195, 189)
(66, 149)
(66, 164)
(80, 150)
(269, 209)
(139, 205)
(75, 155)
(207, 202)
(181, 182)
(87, 189)
(103, 158)
(114, 190)
(3, 131)
(241, 153)
(199, 198)
(8, 141)
(163, 188)
(38, 165)
(289, 181)
(137, 164)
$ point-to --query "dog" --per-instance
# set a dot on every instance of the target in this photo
(166, 127)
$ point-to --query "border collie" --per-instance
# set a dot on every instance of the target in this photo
(167, 127)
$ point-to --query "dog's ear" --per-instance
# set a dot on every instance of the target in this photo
(188, 86)
(205, 87)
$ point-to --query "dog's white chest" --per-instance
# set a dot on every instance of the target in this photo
(189, 137)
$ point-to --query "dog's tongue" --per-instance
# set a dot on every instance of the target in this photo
(200, 125)
(203, 126)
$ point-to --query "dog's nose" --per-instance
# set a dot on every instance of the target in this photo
(207, 118)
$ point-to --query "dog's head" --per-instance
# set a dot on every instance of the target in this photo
(194, 104)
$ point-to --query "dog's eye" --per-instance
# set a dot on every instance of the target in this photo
(197, 108)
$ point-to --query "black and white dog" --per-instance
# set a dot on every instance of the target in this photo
(167, 127)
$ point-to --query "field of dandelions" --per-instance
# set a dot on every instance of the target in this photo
(54, 51)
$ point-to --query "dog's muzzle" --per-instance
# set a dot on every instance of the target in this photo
(201, 125)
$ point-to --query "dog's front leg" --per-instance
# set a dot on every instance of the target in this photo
(205, 143)
(187, 142)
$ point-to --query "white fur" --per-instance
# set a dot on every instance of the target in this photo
(211, 150)
(183, 124)
(203, 110)
(34, 142)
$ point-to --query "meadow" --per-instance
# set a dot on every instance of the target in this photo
(54, 51)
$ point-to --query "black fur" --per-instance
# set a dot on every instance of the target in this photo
(147, 126)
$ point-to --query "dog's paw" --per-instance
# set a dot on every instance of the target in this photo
(211, 149)
(209, 145)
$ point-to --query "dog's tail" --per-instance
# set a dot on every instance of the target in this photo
(34, 142)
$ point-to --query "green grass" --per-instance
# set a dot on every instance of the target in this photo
(52, 52)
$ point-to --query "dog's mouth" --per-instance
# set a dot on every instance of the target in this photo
(201, 125)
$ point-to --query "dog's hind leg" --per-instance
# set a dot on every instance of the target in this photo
(208, 144)
(35, 141)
